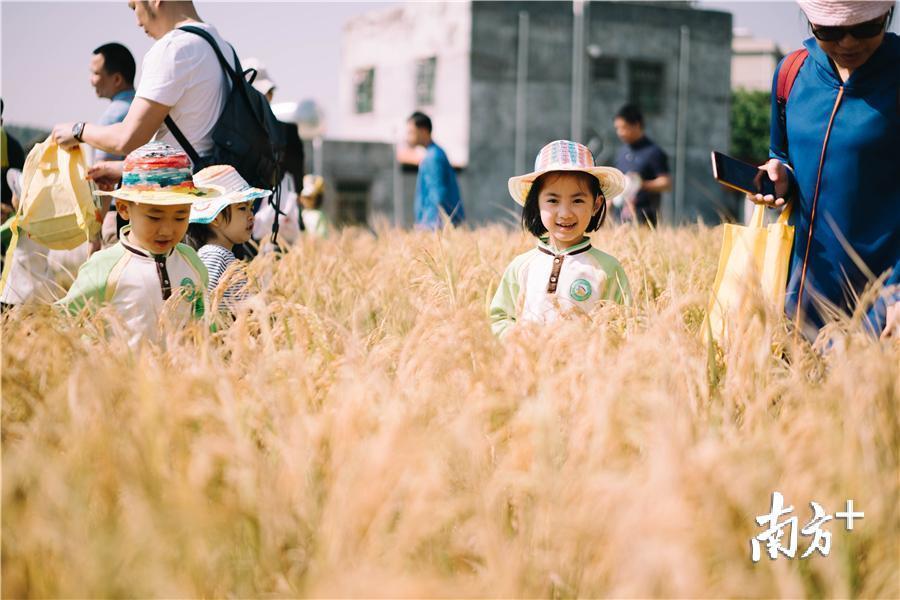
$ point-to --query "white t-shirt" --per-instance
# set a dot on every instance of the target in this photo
(181, 70)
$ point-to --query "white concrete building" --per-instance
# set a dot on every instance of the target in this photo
(753, 61)
(410, 57)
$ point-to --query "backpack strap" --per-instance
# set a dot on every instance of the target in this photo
(229, 73)
(790, 68)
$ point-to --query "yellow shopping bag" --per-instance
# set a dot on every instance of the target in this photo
(754, 261)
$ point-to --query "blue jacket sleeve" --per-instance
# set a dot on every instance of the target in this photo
(778, 136)
(435, 188)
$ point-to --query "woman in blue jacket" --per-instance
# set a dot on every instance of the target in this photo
(835, 153)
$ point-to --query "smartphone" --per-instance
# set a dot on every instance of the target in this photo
(741, 176)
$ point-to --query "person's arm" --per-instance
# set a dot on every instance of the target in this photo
(502, 312)
(144, 118)
(778, 167)
(662, 183)
(434, 189)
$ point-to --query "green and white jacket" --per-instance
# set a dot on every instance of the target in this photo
(544, 283)
(138, 284)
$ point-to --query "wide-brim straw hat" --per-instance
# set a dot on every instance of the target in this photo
(313, 185)
(235, 189)
(160, 175)
(840, 13)
(564, 155)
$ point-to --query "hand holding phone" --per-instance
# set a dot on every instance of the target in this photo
(764, 185)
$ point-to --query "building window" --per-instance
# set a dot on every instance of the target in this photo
(645, 86)
(364, 83)
(604, 68)
(425, 70)
(352, 202)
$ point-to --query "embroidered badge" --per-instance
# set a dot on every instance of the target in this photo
(192, 295)
(580, 290)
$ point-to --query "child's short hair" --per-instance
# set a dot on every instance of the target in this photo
(531, 212)
(199, 234)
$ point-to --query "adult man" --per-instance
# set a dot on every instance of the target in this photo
(112, 75)
(641, 156)
(180, 77)
(436, 187)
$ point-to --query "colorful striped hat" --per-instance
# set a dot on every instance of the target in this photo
(236, 191)
(159, 174)
(841, 13)
(563, 155)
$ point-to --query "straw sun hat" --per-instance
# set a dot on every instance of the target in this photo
(563, 155)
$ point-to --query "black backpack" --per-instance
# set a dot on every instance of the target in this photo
(247, 135)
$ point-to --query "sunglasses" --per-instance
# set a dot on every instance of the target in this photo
(863, 31)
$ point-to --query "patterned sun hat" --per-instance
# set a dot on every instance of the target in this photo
(838, 13)
(563, 155)
(235, 190)
(159, 174)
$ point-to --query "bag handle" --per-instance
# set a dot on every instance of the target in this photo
(759, 215)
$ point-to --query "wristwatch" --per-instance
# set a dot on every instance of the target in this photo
(77, 130)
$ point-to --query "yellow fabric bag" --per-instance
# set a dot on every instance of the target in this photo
(57, 208)
(755, 257)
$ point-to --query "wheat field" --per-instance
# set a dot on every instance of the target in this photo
(358, 432)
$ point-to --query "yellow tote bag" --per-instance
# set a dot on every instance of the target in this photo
(755, 257)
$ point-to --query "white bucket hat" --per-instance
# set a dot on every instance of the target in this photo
(838, 13)
(235, 191)
(563, 155)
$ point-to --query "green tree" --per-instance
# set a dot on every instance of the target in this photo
(750, 115)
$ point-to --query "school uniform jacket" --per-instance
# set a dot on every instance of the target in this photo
(543, 283)
(137, 284)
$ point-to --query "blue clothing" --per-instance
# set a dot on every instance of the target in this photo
(649, 161)
(114, 113)
(859, 188)
(436, 190)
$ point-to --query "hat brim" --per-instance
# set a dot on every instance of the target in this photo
(612, 181)
(206, 214)
(164, 197)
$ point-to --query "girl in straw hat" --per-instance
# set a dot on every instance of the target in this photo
(315, 222)
(139, 274)
(220, 224)
(562, 199)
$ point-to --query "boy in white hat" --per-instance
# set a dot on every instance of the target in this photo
(315, 222)
(220, 224)
(148, 267)
(562, 199)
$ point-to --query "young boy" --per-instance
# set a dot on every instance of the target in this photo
(314, 220)
(138, 275)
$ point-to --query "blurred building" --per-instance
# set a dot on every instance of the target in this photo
(753, 61)
(501, 79)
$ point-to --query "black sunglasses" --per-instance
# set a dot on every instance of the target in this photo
(863, 31)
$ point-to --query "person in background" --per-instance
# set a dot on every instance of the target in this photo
(834, 157)
(13, 157)
(437, 190)
(312, 195)
(640, 155)
(112, 76)
(290, 224)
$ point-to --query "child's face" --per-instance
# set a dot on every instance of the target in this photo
(157, 229)
(566, 207)
(239, 228)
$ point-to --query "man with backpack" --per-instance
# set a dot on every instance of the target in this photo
(191, 82)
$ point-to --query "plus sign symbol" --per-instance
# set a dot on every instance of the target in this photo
(849, 515)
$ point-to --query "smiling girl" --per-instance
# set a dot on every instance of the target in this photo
(562, 199)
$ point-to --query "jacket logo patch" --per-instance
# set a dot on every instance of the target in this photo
(192, 295)
(580, 290)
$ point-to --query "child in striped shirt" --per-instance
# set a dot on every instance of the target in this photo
(217, 226)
